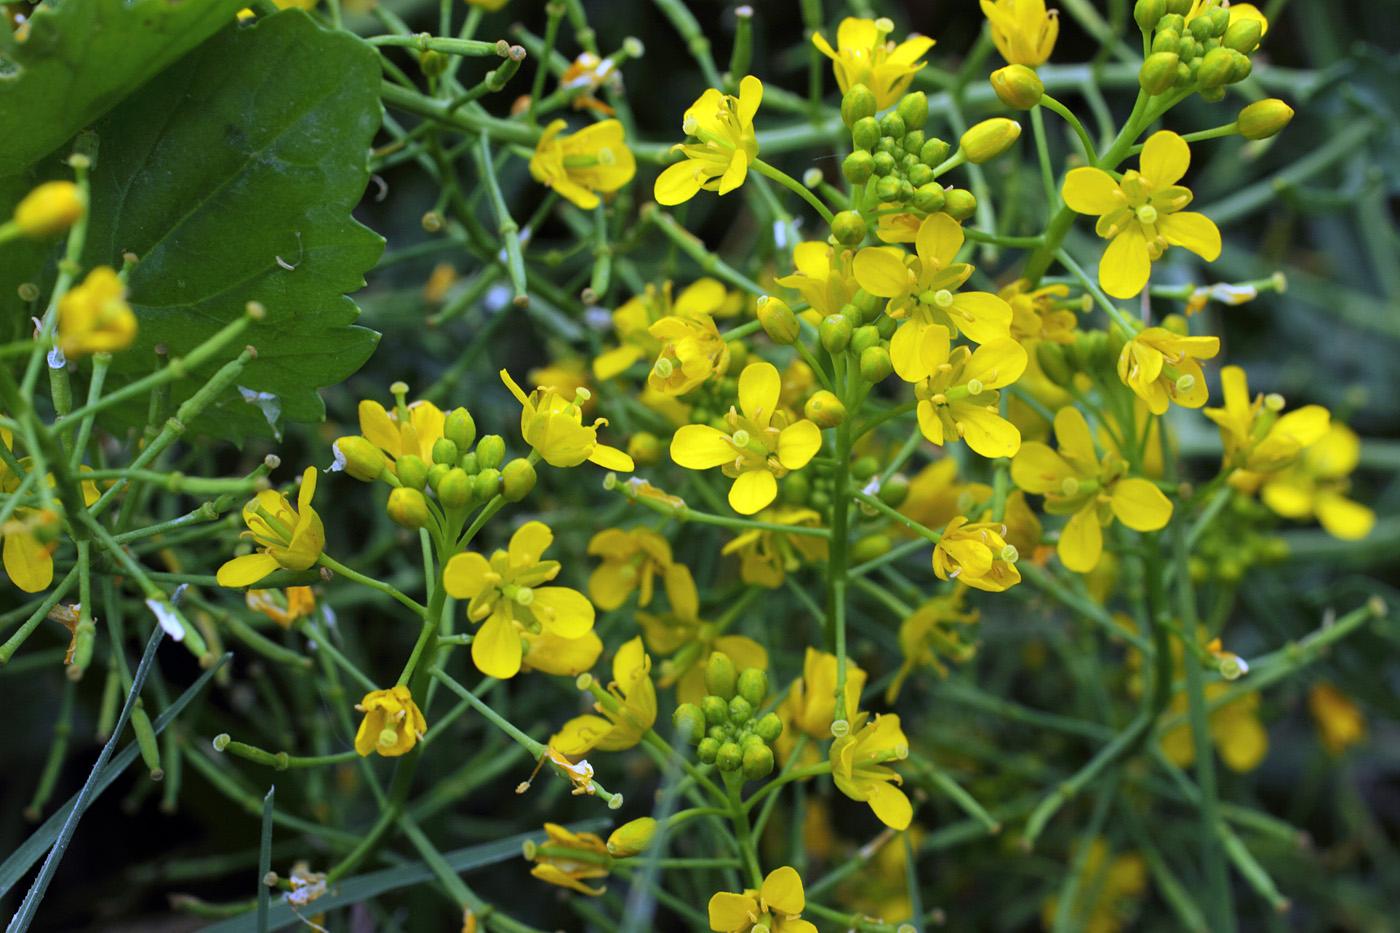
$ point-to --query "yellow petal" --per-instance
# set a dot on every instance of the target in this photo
(377, 428)
(1081, 541)
(677, 183)
(1126, 264)
(904, 352)
(938, 240)
(1241, 741)
(565, 612)
(798, 443)
(610, 458)
(996, 363)
(986, 432)
(1343, 518)
(934, 347)
(1192, 231)
(241, 571)
(1075, 441)
(465, 575)
(735, 174)
(1092, 191)
(496, 649)
(930, 424)
(759, 386)
(730, 913)
(580, 735)
(891, 805)
(880, 270)
(1140, 505)
(1165, 158)
(1039, 469)
(981, 316)
(700, 447)
(782, 891)
(750, 96)
(1287, 498)
(753, 490)
(30, 564)
(528, 543)
(743, 651)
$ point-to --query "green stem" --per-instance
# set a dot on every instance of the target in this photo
(792, 184)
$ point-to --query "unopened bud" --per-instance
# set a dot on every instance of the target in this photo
(517, 479)
(849, 228)
(913, 110)
(934, 152)
(490, 451)
(689, 721)
(1146, 13)
(360, 458)
(632, 838)
(769, 728)
(412, 471)
(1215, 68)
(835, 332)
(460, 429)
(454, 491)
(929, 198)
(892, 125)
(445, 451)
(824, 409)
(757, 762)
(1018, 86)
(50, 208)
(721, 678)
(486, 484)
(1243, 35)
(858, 167)
(875, 364)
(715, 709)
(730, 757)
(1158, 72)
(1264, 118)
(644, 448)
(707, 751)
(740, 710)
(989, 139)
(959, 203)
(433, 63)
(865, 133)
(778, 321)
(858, 102)
(753, 687)
(408, 508)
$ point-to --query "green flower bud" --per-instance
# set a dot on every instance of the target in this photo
(869, 548)
(486, 484)
(858, 167)
(758, 762)
(1165, 41)
(1199, 28)
(959, 203)
(490, 451)
(886, 325)
(894, 491)
(920, 175)
(445, 451)
(778, 321)
(716, 710)
(795, 487)
(436, 473)
(459, 428)
(865, 133)
(934, 152)
(408, 507)
(1158, 72)
(707, 751)
(730, 757)
(1264, 118)
(689, 722)
(865, 467)
(889, 145)
(1175, 18)
(849, 229)
(913, 110)
(769, 728)
(720, 733)
(824, 410)
(1243, 35)
(913, 143)
(858, 103)
(753, 687)
(413, 472)
(888, 188)
(906, 190)
(517, 479)
(892, 125)
(632, 838)
(432, 63)
(989, 139)
(362, 460)
(1240, 67)
(883, 162)
(469, 463)
(1178, 7)
(643, 447)
(1212, 94)
(835, 333)
(1018, 86)
(720, 677)
(865, 336)
(1215, 69)
(740, 710)
(1220, 22)
(929, 197)
(1146, 13)
(875, 364)
(1051, 357)
(454, 491)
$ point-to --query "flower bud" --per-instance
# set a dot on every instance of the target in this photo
(865, 467)
(889, 188)
(1264, 118)
(1215, 68)
(875, 364)
(1018, 86)
(413, 472)
(1146, 13)
(644, 448)
(863, 338)
(459, 428)
(468, 463)
(486, 484)
(1179, 7)
(884, 163)
(360, 458)
(886, 326)
(928, 198)
(989, 139)
(912, 145)
(454, 490)
(753, 687)
(894, 491)
(632, 838)
(1240, 67)
(740, 711)
(869, 548)
(490, 451)
(432, 63)
(50, 208)
(1199, 28)
(757, 762)
(1158, 72)
(517, 479)
(959, 203)
(865, 133)
(1219, 22)
(849, 229)
(835, 332)
(1165, 41)
(730, 757)
(769, 728)
(720, 677)
(858, 167)
(445, 451)
(715, 709)
(913, 110)
(778, 321)
(1243, 35)
(1051, 357)
(934, 152)
(689, 722)
(707, 750)
(857, 103)
(824, 409)
(408, 507)
(892, 126)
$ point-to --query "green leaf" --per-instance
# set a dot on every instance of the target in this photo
(231, 178)
(81, 57)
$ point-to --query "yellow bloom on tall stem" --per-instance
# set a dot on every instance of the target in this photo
(1255, 436)
(94, 317)
(558, 860)
(506, 591)
(705, 297)
(393, 723)
(766, 556)
(596, 158)
(777, 905)
(760, 447)
(554, 426)
(1160, 367)
(290, 538)
(1317, 485)
(31, 535)
(692, 351)
(1234, 729)
(1022, 30)
(635, 712)
(723, 125)
(859, 770)
(631, 561)
(810, 706)
(957, 392)
(823, 276)
(1075, 482)
(1142, 215)
(976, 554)
(413, 434)
(863, 55)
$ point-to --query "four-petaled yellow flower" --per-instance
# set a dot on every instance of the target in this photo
(568, 858)
(1075, 482)
(859, 770)
(596, 158)
(823, 276)
(777, 905)
(1142, 214)
(957, 392)
(924, 288)
(723, 124)
(760, 447)
(1256, 437)
(1235, 730)
(632, 321)
(94, 317)
(393, 723)
(1023, 31)
(810, 706)
(1034, 315)
(1317, 485)
(635, 713)
(631, 561)
(554, 426)
(1160, 367)
(976, 554)
(31, 535)
(928, 632)
(765, 556)
(506, 591)
(863, 55)
(413, 434)
(692, 351)
(290, 538)
(1340, 723)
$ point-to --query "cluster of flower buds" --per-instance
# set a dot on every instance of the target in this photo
(724, 728)
(896, 157)
(1208, 50)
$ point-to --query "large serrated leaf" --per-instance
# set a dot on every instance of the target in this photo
(81, 57)
(232, 177)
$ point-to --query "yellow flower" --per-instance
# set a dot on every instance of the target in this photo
(591, 72)
(858, 768)
(936, 495)
(1256, 438)
(976, 554)
(393, 723)
(690, 641)
(1234, 728)
(50, 208)
(863, 55)
(1160, 367)
(957, 394)
(565, 657)
(94, 317)
(1317, 485)
(506, 591)
(568, 858)
(1238, 11)
(823, 276)
(624, 726)
(810, 705)
(723, 124)
(1075, 482)
(415, 433)
(631, 561)
(778, 906)
(282, 606)
(31, 535)
(289, 538)
(924, 288)
(554, 427)
(596, 158)
(765, 556)
(1107, 892)
(691, 352)
(928, 632)
(760, 447)
(633, 320)
(1023, 31)
(1339, 720)
(1142, 215)
(1034, 315)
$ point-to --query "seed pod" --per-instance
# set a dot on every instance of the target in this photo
(408, 508)
(778, 321)
(518, 479)
(1264, 118)
(1018, 87)
(753, 687)
(720, 677)
(856, 104)
(824, 410)
(989, 139)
